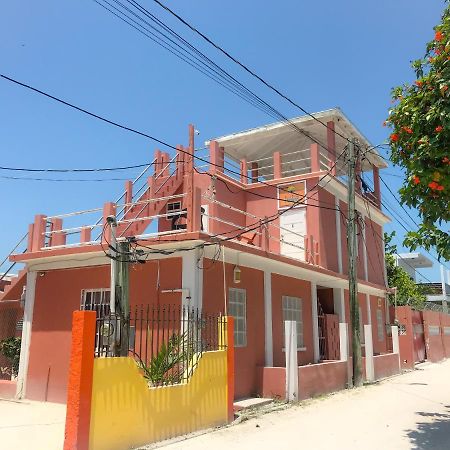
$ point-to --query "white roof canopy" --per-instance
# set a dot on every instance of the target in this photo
(262, 142)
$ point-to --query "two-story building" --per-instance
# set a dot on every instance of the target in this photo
(253, 225)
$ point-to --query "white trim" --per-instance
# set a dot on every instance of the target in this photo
(26, 334)
(315, 323)
(338, 234)
(370, 370)
(339, 303)
(268, 336)
(290, 343)
(343, 341)
(192, 280)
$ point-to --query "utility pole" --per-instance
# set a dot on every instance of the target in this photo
(123, 286)
(352, 268)
(119, 293)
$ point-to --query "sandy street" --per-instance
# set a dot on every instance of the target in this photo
(411, 411)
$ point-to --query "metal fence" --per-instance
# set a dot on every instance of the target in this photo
(166, 341)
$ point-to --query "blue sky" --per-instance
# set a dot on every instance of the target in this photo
(322, 54)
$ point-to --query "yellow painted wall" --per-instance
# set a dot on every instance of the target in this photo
(127, 413)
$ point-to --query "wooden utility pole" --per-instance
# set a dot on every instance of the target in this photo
(123, 289)
(352, 268)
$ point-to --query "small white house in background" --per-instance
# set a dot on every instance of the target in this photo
(438, 292)
(412, 261)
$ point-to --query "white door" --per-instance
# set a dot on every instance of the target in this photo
(292, 233)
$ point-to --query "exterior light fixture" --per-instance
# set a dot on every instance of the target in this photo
(236, 274)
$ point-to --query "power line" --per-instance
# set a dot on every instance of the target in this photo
(203, 59)
(62, 180)
(140, 133)
(245, 67)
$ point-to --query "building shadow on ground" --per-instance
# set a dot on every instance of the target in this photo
(433, 433)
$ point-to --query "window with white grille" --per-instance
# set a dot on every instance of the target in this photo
(292, 310)
(237, 307)
(380, 325)
(96, 300)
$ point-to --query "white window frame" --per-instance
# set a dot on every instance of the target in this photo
(102, 307)
(292, 309)
(380, 325)
(169, 211)
(236, 299)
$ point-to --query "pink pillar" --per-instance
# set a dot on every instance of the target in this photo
(128, 191)
(30, 237)
(315, 158)
(164, 161)
(109, 209)
(85, 234)
(157, 158)
(244, 171)
(331, 145)
(191, 138)
(38, 232)
(215, 157)
(57, 238)
(181, 159)
(254, 172)
(376, 184)
(277, 165)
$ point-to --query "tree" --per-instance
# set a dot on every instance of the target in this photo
(420, 141)
(408, 292)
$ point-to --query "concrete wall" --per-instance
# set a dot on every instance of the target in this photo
(313, 380)
(386, 365)
(126, 413)
(434, 342)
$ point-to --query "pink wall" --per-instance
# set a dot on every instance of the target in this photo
(313, 380)
(323, 378)
(7, 389)
(51, 328)
(434, 344)
(378, 303)
(403, 315)
(282, 285)
(386, 365)
(252, 355)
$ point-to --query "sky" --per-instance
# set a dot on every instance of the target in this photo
(327, 54)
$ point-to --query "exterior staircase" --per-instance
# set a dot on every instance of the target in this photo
(151, 203)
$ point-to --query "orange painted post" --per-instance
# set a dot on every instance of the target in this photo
(230, 367)
(376, 185)
(215, 159)
(79, 390)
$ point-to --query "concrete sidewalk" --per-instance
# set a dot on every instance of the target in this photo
(29, 425)
(410, 411)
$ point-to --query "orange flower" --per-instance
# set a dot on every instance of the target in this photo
(440, 188)
(445, 160)
(384, 124)
(438, 36)
(407, 129)
(438, 129)
(433, 185)
(416, 179)
(444, 88)
(394, 137)
(419, 83)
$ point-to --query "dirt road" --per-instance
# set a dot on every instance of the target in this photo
(411, 411)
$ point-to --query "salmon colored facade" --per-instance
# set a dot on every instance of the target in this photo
(198, 223)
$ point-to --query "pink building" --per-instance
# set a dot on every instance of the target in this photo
(254, 224)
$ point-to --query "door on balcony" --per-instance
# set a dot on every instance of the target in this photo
(293, 230)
